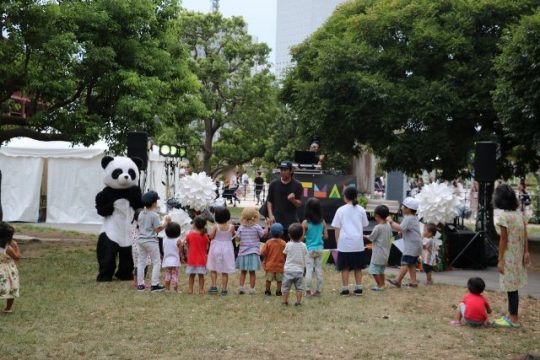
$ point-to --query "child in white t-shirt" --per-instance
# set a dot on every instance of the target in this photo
(429, 251)
(172, 247)
(295, 263)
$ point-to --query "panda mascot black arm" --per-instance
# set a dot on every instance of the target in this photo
(117, 203)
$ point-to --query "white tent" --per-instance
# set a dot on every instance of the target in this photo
(71, 176)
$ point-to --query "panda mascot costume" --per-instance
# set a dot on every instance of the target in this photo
(117, 203)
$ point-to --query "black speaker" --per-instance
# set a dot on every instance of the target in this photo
(137, 143)
(474, 255)
(485, 161)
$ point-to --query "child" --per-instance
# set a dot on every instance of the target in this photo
(474, 308)
(221, 254)
(250, 234)
(381, 238)
(429, 251)
(412, 242)
(513, 252)
(172, 246)
(274, 259)
(9, 275)
(349, 222)
(197, 244)
(296, 252)
(149, 227)
(315, 231)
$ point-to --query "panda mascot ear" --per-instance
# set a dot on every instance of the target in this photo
(138, 162)
(106, 160)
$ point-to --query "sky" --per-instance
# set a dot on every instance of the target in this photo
(260, 16)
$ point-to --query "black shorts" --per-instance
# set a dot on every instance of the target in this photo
(351, 260)
(427, 268)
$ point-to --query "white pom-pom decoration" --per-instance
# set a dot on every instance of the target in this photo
(196, 191)
(182, 218)
(438, 204)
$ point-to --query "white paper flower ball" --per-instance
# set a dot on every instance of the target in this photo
(438, 204)
(182, 218)
(196, 191)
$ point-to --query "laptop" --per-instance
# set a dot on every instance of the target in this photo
(306, 157)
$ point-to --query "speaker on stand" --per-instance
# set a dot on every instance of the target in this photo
(137, 147)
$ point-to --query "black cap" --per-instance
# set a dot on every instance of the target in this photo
(150, 197)
(286, 164)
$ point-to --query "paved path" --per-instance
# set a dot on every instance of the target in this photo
(490, 276)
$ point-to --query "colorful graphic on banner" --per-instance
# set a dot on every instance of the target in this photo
(319, 187)
(320, 194)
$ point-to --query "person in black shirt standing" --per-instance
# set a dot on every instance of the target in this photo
(284, 198)
(259, 184)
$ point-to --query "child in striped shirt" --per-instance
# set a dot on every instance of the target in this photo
(250, 234)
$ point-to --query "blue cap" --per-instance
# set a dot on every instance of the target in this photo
(286, 164)
(150, 197)
(276, 229)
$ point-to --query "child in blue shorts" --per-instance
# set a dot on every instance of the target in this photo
(381, 238)
(412, 242)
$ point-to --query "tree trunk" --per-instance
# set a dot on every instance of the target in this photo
(207, 147)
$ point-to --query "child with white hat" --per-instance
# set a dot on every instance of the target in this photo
(412, 242)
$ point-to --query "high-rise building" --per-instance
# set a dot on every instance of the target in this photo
(296, 20)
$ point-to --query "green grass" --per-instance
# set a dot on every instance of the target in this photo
(63, 313)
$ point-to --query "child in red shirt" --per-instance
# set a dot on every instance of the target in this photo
(274, 259)
(197, 243)
(474, 308)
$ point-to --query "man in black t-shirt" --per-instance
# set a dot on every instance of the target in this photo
(284, 198)
(259, 184)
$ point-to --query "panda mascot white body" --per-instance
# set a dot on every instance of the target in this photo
(117, 203)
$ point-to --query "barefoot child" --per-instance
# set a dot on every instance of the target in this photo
(274, 259)
(474, 308)
(172, 246)
(412, 242)
(381, 238)
(9, 275)
(197, 244)
(429, 251)
(296, 253)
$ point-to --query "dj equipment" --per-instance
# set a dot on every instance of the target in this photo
(466, 248)
(137, 143)
(305, 157)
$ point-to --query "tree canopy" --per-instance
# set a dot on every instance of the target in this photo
(236, 88)
(411, 79)
(517, 97)
(90, 69)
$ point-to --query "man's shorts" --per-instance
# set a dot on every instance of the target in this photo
(375, 269)
(409, 260)
(274, 276)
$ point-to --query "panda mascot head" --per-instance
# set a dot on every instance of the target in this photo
(121, 172)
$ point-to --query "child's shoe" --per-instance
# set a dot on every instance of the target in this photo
(241, 291)
(157, 288)
(252, 291)
(344, 292)
(455, 323)
(376, 288)
(140, 288)
(316, 294)
(308, 293)
(224, 292)
(267, 293)
(278, 293)
(358, 291)
(213, 290)
(394, 282)
(297, 304)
